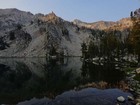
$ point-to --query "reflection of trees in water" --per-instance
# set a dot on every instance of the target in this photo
(20, 82)
(11, 80)
(59, 76)
(85, 70)
(57, 79)
(106, 72)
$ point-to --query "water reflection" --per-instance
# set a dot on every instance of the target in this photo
(106, 72)
(88, 96)
(22, 79)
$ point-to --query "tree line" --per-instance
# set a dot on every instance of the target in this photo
(114, 45)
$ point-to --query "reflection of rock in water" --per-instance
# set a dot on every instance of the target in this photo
(20, 79)
(34, 77)
(35, 65)
(13, 79)
(62, 76)
(89, 96)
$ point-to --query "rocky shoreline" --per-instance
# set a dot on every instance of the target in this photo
(133, 81)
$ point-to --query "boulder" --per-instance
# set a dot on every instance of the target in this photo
(138, 104)
(138, 100)
(130, 98)
(120, 99)
(138, 70)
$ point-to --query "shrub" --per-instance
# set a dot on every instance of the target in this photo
(19, 26)
(65, 32)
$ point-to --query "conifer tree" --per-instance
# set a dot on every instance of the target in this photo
(134, 37)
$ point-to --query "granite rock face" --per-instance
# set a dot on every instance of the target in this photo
(23, 34)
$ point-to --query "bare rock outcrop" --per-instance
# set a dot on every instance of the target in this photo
(28, 35)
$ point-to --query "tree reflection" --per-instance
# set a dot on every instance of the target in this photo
(24, 79)
(106, 72)
(57, 79)
(11, 80)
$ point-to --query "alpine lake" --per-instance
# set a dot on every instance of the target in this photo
(69, 81)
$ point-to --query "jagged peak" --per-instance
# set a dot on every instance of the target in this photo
(77, 20)
(52, 13)
(51, 17)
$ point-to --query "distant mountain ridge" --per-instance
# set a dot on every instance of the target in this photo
(95, 25)
(121, 24)
(105, 25)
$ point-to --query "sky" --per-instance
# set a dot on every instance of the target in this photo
(85, 10)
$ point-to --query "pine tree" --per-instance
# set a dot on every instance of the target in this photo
(84, 50)
(134, 37)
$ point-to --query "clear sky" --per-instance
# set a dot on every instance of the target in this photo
(85, 10)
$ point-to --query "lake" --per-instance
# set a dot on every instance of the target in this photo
(60, 82)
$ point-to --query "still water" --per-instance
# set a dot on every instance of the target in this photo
(35, 78)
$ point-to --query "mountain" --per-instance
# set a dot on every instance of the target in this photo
(23, 34)
(106, 25)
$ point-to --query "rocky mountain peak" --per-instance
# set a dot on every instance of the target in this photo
(76, 21)
(51, 17)
(14, 16)
(9, 10)
(52, 14)
(13, 11)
